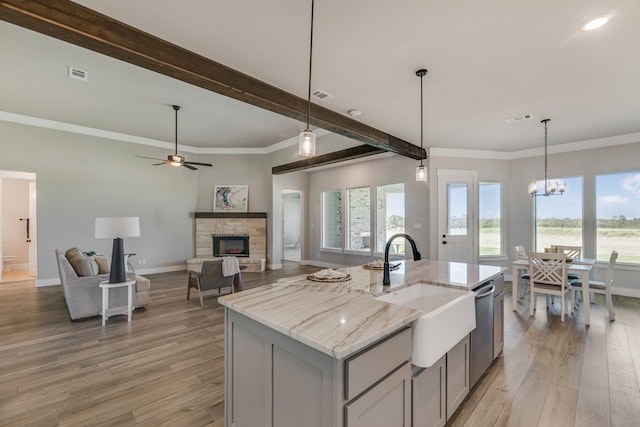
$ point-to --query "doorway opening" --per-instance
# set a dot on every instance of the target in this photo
(291, 226)
(18, 225)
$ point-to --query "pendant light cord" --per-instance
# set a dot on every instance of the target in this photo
(545, 153)
(310, 68)
(421, 121)
(421, 73)
(176, 108)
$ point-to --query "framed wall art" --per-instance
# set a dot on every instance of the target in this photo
(230, 198)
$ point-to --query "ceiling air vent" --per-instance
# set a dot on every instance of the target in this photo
(76, 73)
(518, 118)
(321, 95)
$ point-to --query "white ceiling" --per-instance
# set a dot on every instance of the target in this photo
(487, 61)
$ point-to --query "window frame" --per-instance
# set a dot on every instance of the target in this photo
(379, 251)
(629, 264)
(582, 210)
(338, 249)
(503, 239)
(346, 219)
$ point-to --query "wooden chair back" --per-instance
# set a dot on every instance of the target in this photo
(548, 268)
(520, 252)
(573, 252)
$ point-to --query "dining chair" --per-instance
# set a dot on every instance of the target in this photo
(598, 287)
(573, 252)
(548, 276)
(523, 278)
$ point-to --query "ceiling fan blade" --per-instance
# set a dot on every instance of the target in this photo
(152, 158)
(189, 166)
(199, 164)
(158, 164)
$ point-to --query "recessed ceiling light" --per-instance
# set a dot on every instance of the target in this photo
(595, 23)
(354, 113)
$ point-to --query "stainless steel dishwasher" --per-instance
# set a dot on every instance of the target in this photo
(481, 352)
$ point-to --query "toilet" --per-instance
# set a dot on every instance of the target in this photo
(6, 260)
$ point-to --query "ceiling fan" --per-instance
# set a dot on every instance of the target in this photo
(173, 159)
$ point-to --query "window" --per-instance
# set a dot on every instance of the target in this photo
(332, 219)
(558, 219)
(389, 215)
(490, 219)
(359, 219)
(457, 209)
(618, 216)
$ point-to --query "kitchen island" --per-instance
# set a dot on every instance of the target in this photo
(328, 354)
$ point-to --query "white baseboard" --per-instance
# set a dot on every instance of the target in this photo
(274, 266)
(139, 272)
(625, 292)
(154, 270)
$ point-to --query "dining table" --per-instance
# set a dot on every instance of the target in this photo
(581, 267)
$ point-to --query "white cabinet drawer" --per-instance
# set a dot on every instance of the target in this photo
(366, 368)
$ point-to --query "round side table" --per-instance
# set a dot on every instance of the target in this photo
(111, 311)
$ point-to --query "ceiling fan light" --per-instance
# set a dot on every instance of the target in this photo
(421, 173)
(595, 23)
(307, 143)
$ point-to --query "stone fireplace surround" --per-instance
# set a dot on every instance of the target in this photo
(252, 223)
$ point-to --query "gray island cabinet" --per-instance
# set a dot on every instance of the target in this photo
(301, 353)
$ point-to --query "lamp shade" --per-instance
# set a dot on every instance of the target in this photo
(117, 227)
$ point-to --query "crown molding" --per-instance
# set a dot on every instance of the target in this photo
(587, 144)
(123, 137)
(6, 116)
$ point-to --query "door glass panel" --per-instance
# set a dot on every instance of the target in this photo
(457, 209)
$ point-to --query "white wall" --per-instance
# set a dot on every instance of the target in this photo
(15, 205)
(81, 178)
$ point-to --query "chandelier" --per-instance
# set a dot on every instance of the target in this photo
(551, 188)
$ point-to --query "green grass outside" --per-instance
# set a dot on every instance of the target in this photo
(625, 240)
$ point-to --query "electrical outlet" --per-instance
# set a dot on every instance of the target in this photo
(144, 261)
(139, 262)
(417, 225)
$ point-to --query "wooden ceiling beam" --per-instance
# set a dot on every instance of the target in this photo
(76, 24)
(327, 159)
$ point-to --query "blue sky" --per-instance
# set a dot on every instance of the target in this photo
(616, 194)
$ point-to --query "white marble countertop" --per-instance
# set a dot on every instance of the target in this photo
(341, 318)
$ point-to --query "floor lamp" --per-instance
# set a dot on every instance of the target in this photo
(117, 229)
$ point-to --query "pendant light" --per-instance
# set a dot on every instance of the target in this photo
(307, 139)
(551, 188)
(421, 171)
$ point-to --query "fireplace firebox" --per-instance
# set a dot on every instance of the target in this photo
(230, 245)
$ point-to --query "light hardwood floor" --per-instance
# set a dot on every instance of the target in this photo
(166, 367)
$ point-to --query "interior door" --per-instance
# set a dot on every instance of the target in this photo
(457, 223)
(32, 240)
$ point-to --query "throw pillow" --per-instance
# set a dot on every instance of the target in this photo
(103, 263)
(82, 265)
